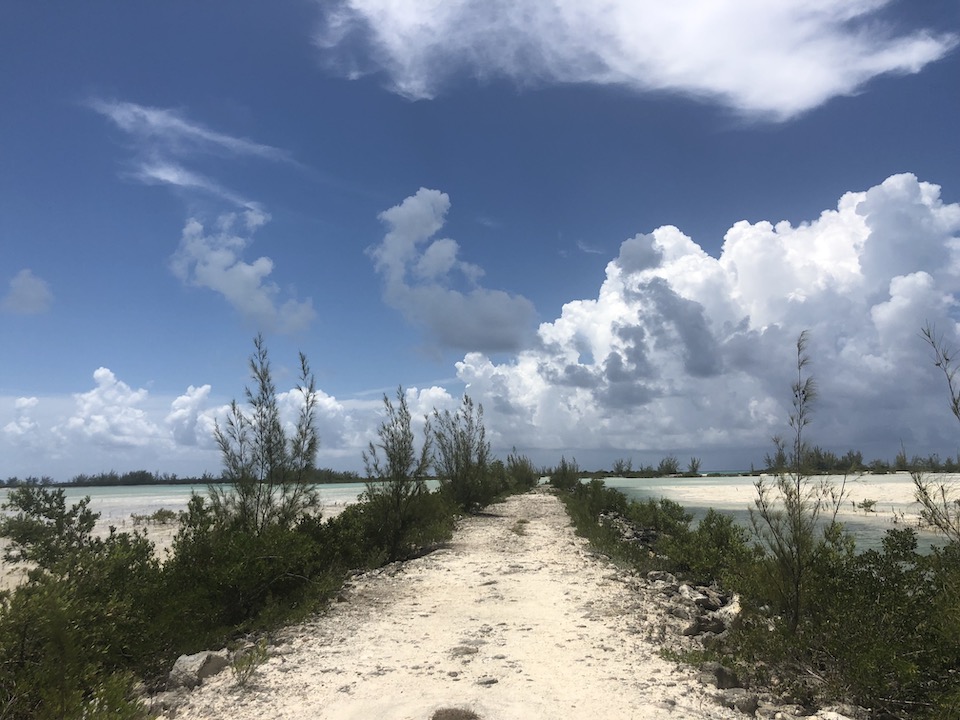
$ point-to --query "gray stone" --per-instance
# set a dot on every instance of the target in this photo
(703, 625)
(739, 699)
(190, 670)
(719, 675)
(690, 595)
(462, 650)
(167, 702)
(662, 576)
(729, 614)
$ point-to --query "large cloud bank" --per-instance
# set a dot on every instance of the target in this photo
(761, 58)
(681, 350)
(678, 352)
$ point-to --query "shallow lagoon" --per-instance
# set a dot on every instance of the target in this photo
(895, 504)
(895, 507)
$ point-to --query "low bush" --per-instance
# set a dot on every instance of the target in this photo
(717, 550)
(86, 616)
(566, 475)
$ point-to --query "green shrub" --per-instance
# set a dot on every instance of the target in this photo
(70, 637)
(43, 531)
(396, 484)
(566, 475)
(228, 578)
(719, 549)
(162, 516)
(882, 631)
(663, 516)
(247, 661)
(521, 472)
(463, 456)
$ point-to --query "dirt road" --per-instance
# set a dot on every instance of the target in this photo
(514, 620)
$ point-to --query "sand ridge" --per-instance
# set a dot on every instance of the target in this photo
(515, 618)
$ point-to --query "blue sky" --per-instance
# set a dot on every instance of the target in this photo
(607, 226)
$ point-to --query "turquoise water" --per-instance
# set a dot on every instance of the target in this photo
(732, 495)
(736, 495)
(117, 503)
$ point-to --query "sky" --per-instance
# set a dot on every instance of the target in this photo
(607, 223)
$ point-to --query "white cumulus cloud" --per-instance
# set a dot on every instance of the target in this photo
(427, 281)
(23, 427)
(683, 350)
(214, 260)
(27, 295)
(110, 415)
(764, 58)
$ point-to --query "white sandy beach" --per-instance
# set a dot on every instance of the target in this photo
(895, 504)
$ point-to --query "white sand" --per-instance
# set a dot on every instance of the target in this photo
(511, 621)
(895, 506)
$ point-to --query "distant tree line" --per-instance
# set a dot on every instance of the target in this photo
(316, 476)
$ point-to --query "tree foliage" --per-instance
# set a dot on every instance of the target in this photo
(268, 469)
(669, 465)
(788, 513)
(42, 530)
(84, 617)
(396, 476)
(462, 455)
(940, 500)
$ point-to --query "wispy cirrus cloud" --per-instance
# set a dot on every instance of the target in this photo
(768, 59)
(166, 143)
(170, 130)
(164, 172)
(167, 146)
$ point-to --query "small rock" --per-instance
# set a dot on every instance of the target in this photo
(709, 599)
(739, 699)
(661, 576)
(703, 625)
(689, 594)
(487, 681)
(190, 670)
(462, 650)
(722, 677)
(729, 614)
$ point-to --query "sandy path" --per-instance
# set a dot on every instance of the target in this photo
(512, 620)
